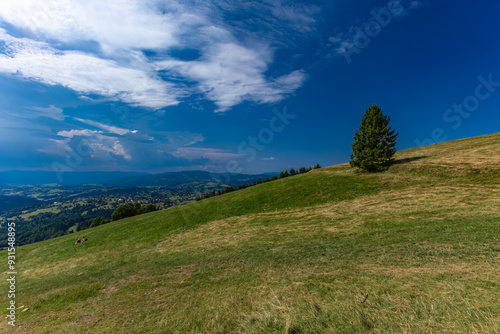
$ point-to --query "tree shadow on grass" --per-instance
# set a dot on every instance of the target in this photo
(407, 160)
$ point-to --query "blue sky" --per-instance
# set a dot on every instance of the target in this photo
(237, 86)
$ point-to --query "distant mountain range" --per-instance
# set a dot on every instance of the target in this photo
(123, 179)
(37, 178)
(176, 178)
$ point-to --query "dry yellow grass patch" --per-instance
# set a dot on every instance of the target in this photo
(53, 269)
(175, 275)
(459, 269)
(460, 198)
(481, 155)
(225, 233)
(444, 199)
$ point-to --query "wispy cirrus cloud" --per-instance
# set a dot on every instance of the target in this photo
(357, 37)
(87, 47)
(181, 145)
(213, 154)
(81, 133)
(58, 147)
(84, 73)
(300, 15)
(106, 127)
(231, 73)
(50, 112)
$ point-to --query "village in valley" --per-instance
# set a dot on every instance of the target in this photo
(61, 210)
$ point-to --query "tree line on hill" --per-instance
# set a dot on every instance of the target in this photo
(282, 174)
(14, 202)
(124, 211)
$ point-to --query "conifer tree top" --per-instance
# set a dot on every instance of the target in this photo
(374, 142)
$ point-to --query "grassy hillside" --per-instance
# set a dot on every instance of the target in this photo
(297, 255)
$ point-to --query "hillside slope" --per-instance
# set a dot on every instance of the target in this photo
(177, 178)
(297, 255)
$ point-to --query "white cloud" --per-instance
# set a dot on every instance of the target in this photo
(109, 128)
(178, 138)
(99, 145)
(50, 112)
(357, 37)
(230, 73)
(194, 153)
(180, 146)
(84, 73)
(96, 47)
(107, 147)
(81, 133)
(60, 147)
(270, 158)
(300, 15)
(113, 24)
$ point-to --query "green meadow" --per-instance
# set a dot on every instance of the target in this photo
(296, 255)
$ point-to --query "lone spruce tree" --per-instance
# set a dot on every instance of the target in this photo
(374, 142)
